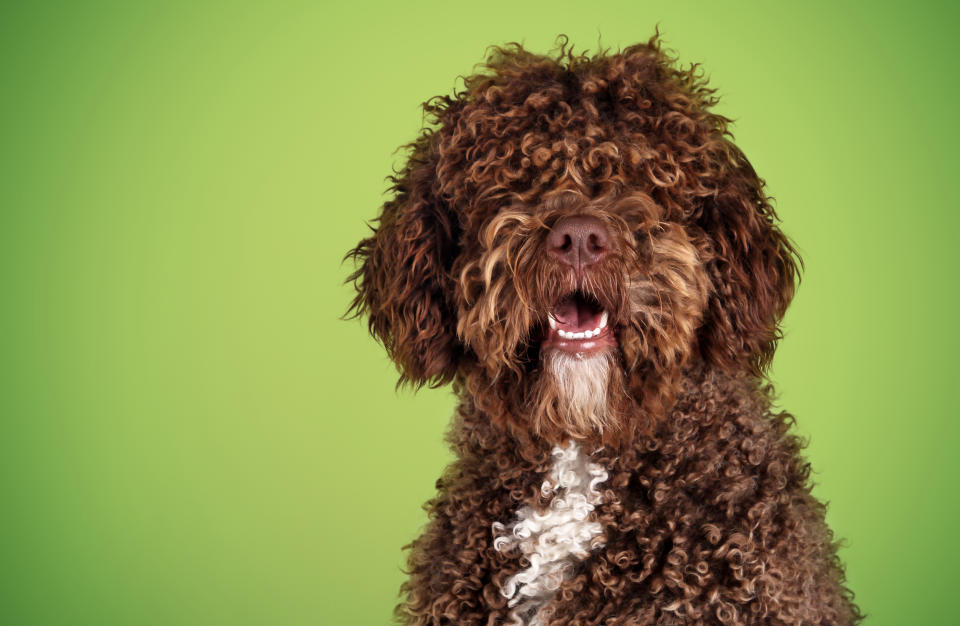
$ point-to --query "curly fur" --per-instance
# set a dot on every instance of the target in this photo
(553, 541)
(706, 515)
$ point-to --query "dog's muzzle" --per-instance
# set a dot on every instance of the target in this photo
(578, 323)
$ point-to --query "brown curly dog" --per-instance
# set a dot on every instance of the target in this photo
(577, 245)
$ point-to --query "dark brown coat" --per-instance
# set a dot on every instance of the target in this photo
(707, 512)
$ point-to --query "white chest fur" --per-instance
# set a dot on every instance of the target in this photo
(555, 540)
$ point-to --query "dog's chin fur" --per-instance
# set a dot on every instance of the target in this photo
(574, 394)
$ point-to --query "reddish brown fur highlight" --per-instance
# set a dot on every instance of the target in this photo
(708, 511)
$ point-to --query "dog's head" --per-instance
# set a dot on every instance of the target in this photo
(569, 235)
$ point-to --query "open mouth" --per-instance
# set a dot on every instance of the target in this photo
(580, 325)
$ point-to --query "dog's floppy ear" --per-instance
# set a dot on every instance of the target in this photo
(754, 268)
(403, 277)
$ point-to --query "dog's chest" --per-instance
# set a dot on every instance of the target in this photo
(555, 540)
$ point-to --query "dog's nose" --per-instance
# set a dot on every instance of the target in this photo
(578, 241)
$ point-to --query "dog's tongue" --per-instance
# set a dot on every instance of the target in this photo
(576, 314)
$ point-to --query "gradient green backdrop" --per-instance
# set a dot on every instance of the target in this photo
(190, 435)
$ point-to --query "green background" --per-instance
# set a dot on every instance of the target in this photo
(190, 435)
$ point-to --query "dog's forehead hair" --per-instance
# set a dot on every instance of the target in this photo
(531, 127)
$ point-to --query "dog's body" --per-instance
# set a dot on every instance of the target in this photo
(582, 251)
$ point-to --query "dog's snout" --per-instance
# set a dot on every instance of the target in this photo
(578, 241)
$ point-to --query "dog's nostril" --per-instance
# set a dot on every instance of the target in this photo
(578, 241)
(595, 244)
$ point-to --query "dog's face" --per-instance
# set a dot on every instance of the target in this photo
(571, 236)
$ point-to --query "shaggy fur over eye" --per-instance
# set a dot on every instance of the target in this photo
(578, 246)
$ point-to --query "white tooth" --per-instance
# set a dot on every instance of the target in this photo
(603, 320)
(588, 334)
(553, 322)
(562, 333)
(596, 331)
(577, 335)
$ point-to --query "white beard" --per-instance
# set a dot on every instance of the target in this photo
(581, 385)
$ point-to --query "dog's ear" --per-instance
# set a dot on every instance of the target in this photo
(403, 279)
(754, 269)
